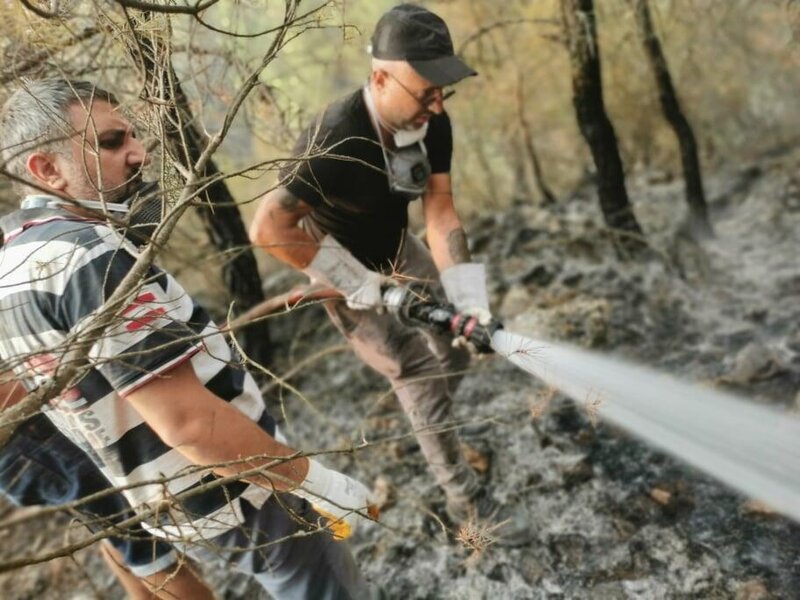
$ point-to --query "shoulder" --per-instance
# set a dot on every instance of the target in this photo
(343, 118)
(56, 248)
(439, 125)
(65, 267)
(59, 236)
(345, 111)
(439, 142)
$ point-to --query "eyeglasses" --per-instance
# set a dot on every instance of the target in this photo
(429, 97)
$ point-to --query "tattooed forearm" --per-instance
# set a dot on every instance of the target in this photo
(457, 246)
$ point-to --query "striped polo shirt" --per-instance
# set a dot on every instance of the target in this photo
(56, 270)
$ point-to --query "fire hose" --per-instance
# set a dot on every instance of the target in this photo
(411, 304)
(750, 447)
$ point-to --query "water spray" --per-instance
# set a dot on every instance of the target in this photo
(752, 448)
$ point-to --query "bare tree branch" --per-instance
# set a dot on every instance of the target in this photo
(13, 71)
(170, 9)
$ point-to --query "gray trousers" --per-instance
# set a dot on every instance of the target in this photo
(422, 367)
(290, 559)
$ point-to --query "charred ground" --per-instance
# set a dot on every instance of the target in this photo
(615, 518)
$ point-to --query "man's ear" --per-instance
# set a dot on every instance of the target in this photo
(379, 77)
(45, 171)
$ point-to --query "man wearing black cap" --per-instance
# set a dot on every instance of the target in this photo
(341, 213)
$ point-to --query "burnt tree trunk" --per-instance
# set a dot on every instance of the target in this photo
(547, 196)
(217, 207)
(596, 128)
(699, 223)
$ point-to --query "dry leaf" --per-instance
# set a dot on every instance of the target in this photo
(757, 507)
(752, 590)
(661, 496)
(383, 493)
(477, 460)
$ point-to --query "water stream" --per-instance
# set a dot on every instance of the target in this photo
(752, 448)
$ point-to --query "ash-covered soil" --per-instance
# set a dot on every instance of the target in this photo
(613, 517)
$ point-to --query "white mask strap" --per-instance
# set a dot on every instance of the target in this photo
(45, 201)
(407, 137)
(402, 137)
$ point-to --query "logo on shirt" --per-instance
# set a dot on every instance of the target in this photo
(72, 408)
(140, 313)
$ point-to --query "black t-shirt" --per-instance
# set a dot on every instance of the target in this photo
(348, 187)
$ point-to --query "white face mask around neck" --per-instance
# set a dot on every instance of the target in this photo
(402, 137)
(406, 137)
(407, 165)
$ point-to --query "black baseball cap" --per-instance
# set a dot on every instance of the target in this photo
(421, 38)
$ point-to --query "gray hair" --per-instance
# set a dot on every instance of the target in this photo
(35, 117)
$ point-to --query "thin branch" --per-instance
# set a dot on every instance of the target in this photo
(45, 14)
(486, 29)
(171, 9)
(13, 71)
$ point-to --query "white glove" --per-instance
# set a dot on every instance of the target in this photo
(368, 295)
(465, 286)
(336, 497)
(335, 266)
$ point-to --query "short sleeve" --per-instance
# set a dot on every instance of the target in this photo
(155, 330)
(316, 169)
(439, 143)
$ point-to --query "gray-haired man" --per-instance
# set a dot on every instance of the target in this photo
(162, 391)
